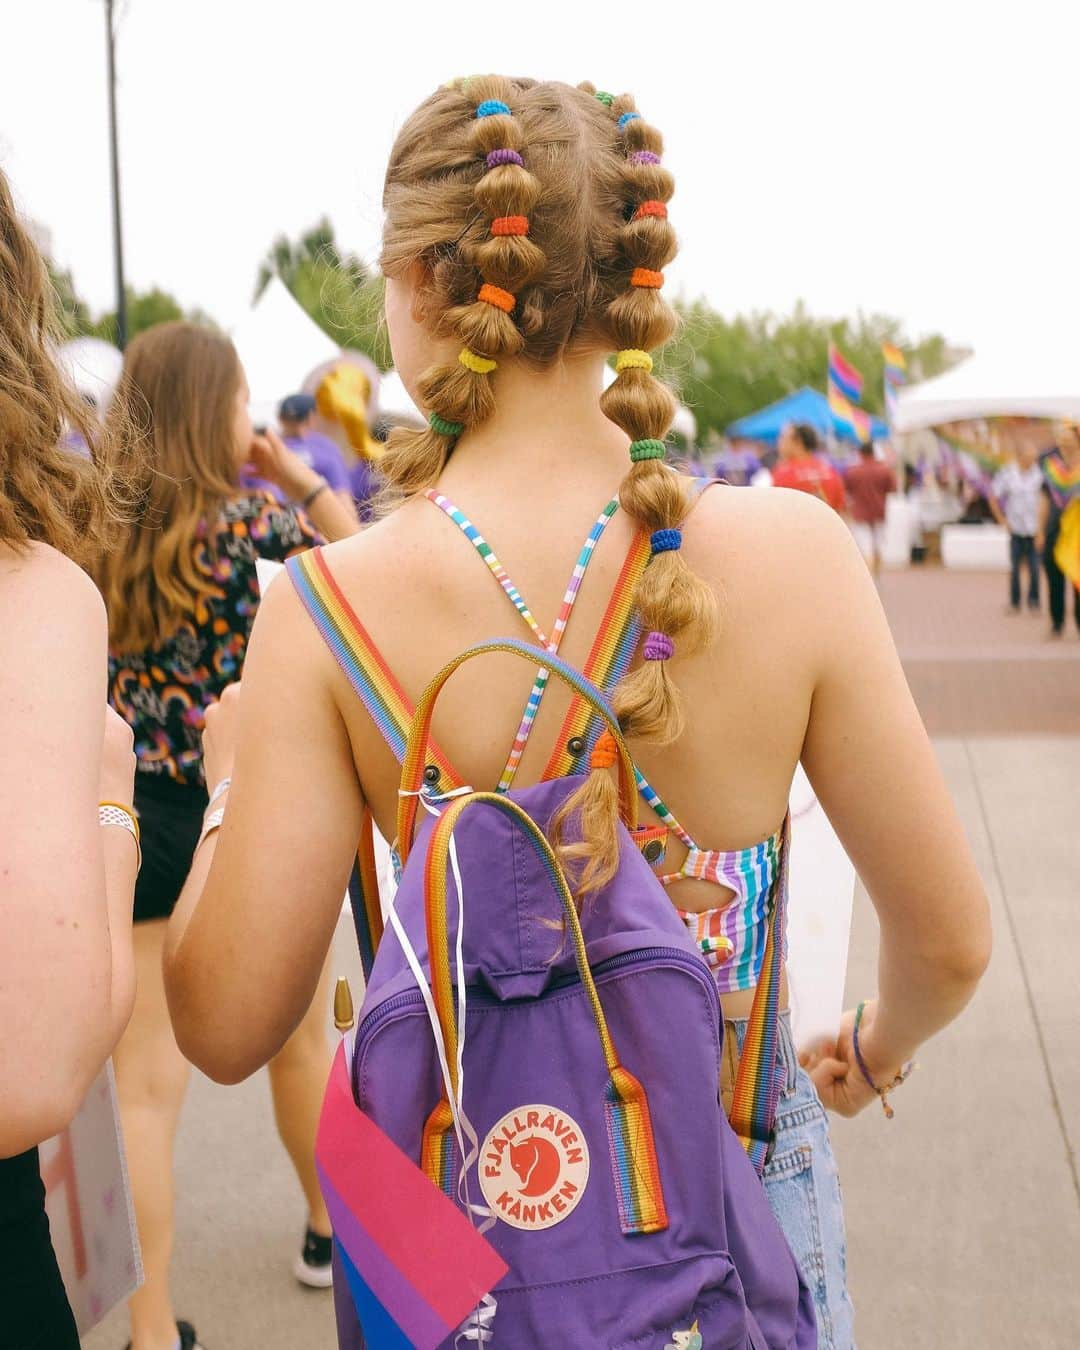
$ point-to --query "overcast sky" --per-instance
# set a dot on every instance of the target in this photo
(916, 158)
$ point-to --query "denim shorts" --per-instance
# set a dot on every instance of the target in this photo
(803, 1185)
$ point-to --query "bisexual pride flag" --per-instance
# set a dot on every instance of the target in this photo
(414, 1265)
(843, 376)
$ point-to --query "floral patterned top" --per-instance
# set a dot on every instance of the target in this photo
(163, 694)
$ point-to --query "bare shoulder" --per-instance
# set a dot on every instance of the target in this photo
(57, 588)
(776, 535)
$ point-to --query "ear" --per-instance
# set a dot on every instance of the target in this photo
(418, 279)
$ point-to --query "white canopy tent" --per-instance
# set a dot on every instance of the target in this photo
(1031, 382)
(93, 366)
(278, 344)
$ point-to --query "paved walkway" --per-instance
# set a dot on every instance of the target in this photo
(964, 1212)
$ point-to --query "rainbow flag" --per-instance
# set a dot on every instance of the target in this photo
(895, 364)
(845, 411)
(414, 1265)
(843, 375)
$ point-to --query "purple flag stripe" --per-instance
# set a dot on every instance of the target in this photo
(398, 1296)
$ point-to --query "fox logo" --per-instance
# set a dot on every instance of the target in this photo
(534, 1167)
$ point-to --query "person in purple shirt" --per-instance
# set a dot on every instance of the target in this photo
(316, 450)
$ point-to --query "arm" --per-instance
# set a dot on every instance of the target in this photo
(1044, 521)
(329, 513)
(66, 885)
(250, 933)
(995, 498)
(874, 771)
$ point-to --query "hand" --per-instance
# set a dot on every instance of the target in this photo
(835, 1073)
(219, 737)
(116, 782)
(272, 459)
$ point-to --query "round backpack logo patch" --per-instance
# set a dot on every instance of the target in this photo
(534, 1167)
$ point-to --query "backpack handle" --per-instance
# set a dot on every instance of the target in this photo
(412, 771)
(631, 1145)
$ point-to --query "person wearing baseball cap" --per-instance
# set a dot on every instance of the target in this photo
(317, 451)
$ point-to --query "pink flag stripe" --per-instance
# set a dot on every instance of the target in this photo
(422, 1233)
(398, 1296)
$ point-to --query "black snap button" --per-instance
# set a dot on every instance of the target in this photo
(654, 851)
(431, 774)
(576, 745)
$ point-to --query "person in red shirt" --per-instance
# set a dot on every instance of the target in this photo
(801, 467)
(868, 483)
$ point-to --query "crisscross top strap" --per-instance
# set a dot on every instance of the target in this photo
(573, 587)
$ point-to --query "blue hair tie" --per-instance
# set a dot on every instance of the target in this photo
(666, 541)
(492, 107)
(628, 117)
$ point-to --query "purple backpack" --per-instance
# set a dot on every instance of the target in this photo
(558, 1076)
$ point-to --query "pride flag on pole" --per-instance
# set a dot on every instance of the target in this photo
(414, 1265)
(845, 411)
(843, 375)
(895, 364)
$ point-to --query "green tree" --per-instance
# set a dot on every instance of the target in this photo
(726, 368)
(76, 319)
(335, 288)
(144, 310)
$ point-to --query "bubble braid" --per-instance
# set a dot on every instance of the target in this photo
(460, 396)
(675, 607)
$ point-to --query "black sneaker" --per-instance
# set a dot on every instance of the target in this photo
(188, 1339)
(313, 1266)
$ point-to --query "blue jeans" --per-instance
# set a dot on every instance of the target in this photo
(1022, 549)
(803, 1186)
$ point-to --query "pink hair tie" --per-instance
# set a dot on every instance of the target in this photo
(658, 647)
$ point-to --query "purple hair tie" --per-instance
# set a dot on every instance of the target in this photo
(644, 157)
(497, 157)
(658, 647)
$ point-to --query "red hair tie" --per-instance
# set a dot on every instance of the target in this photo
(643, 276)
(651, 209)
(495, 295)
(605, 752)
(502, 226)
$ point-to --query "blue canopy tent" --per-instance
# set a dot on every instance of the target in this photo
(805, 405)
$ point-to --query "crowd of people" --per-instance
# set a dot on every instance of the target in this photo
(143, 777)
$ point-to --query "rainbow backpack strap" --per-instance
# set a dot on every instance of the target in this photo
(757, 1082)
(391, 712)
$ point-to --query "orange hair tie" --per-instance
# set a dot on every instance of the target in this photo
(495, 295)
(605, 752)
(651, 209)
(502, 226)
(644, 276)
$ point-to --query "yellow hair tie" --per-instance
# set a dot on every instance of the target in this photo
(479, 365)
(633, 359)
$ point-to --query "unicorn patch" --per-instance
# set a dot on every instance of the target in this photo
(686, 1340)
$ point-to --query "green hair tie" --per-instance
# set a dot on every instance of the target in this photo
(640, 450)
(606, 99)
(441, 427)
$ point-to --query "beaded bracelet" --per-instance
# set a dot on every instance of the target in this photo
(882, 1092)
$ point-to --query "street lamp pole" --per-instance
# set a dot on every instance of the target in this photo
(118, 238)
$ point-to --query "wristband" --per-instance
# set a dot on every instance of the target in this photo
(210, 824)
(882, 1092)
(320, 486)
(115, 813)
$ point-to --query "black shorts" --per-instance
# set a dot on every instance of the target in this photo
(34, 1308)
(170, 820)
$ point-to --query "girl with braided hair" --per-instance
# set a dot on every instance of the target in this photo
(525, 241)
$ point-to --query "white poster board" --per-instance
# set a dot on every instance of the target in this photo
(88, 1201)
(822, 884)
